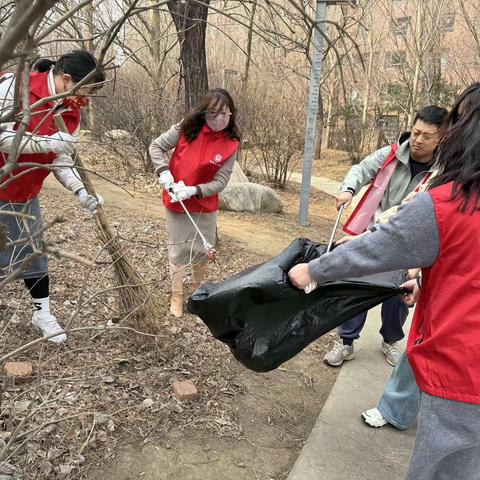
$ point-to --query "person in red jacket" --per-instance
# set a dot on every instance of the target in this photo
(206, 144)
(41, 144)
(439, 231)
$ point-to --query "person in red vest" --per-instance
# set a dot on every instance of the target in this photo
(206, 144)
(439, 231)
(41, 144)
(392, 172)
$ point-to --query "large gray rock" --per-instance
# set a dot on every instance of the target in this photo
(237, 175)
(250, 197)
(240, 195)
(117, 134)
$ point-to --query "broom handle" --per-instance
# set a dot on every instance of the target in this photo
(87, 182)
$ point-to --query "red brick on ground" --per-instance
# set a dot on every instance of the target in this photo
(185, 390)
(18, 369)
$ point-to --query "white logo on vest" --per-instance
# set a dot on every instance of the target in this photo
(217, 160)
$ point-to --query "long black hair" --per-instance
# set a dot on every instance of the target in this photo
(458, 153)
(78, 64)
(195, 120)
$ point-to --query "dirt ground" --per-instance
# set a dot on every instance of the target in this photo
(101, 406)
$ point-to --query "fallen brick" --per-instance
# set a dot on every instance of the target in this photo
(18, 369)
(185, 390)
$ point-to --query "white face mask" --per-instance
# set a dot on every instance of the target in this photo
(217, 121)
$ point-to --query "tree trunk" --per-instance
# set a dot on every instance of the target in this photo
(88, 33)
(190, 20)
(249, 48)
(419, 40)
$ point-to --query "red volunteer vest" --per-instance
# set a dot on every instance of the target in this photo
(42, 123)
(360, 208)
(444, 342)
(197, 162)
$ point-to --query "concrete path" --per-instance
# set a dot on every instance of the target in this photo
(331, 187)
(341, 446)
(324, 184)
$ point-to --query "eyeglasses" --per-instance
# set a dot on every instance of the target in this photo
(215, 113)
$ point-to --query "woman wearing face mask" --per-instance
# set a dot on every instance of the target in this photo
(206, 144)
(42, 144)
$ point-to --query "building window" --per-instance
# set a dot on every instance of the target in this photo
(444, 61)
(362, 33)
(449, 23)
(393, 90)
(395, 59)
(389, 126)
(400, 26)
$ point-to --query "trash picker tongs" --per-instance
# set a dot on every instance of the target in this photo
(209, 249)
(313, 285)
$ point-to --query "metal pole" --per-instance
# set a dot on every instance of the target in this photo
(313, 94)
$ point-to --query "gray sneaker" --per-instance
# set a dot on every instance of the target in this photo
(392, 352)
(340, 352)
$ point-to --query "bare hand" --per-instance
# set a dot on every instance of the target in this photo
(300, 276)
(411, 297)
(349, 238)
(344, 198)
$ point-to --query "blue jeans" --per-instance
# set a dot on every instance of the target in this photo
(400, 401)
(394, 314)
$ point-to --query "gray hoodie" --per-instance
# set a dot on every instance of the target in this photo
(400, 184)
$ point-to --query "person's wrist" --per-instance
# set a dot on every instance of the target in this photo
(419, 281)
(348, 190)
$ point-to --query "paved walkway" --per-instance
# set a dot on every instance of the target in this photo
(340, 445)
(324, 184)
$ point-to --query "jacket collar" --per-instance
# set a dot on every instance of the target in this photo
(208, 131)
(39, 87)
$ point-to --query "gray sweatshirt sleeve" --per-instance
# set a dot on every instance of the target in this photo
(163, 144)
(364, 172)
(219, 181)
(409, 240)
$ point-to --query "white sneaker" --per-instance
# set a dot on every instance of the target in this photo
(374, 418)
(392, 352)
(338, 354)
(48, 325)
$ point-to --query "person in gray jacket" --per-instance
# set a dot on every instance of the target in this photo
(393, 172)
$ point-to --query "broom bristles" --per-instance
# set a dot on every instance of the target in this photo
(135, 298)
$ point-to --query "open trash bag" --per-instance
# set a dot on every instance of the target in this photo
(265, 320)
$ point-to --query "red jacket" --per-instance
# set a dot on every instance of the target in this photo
(444, 342)
(29, 185)
(197, 162)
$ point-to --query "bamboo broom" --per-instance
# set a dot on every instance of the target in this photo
(136, 299)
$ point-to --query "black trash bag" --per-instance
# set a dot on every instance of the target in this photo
(265, 320)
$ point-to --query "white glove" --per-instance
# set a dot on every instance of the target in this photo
(311, 287)
(166, 180)
(89, 202)
(182, 192)
(61, 143)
